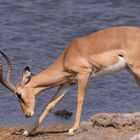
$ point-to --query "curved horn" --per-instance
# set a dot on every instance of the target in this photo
(7, 82)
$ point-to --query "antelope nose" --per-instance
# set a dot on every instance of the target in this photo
(30, 114)
(27, 116)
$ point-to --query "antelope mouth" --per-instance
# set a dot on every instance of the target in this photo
(30, 114)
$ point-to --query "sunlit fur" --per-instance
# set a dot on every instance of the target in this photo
(103, 52)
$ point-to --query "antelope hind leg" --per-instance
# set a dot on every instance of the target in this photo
(82, 84)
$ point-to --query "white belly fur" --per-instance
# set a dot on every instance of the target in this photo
(113, 68)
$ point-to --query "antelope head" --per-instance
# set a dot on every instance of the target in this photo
(20, 90)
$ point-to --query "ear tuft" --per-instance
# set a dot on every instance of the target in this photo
(26, 76)
(27, 68)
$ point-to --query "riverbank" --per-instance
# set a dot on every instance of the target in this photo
(110, 126)
(49, 132)
(105, 126)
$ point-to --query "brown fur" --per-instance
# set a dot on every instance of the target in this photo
(81, 58)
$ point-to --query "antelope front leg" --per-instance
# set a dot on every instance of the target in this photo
(82, 84)
(57, 97)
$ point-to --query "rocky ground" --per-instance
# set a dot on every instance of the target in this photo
(110, 126)
(100, 127)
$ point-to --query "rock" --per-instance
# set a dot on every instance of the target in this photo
(116, 120)
(84, 127)
(110, 126)
(63, 113)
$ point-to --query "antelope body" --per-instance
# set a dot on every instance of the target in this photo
(103, 52)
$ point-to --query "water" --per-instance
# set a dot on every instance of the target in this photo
(35, 32)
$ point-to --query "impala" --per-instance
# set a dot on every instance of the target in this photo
(103, 52)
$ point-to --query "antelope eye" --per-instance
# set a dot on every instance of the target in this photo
(19, 95)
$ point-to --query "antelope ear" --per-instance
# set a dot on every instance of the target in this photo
(26, 76)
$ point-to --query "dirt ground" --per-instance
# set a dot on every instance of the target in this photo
(107, 133)
(50, 132)
(59, 132)
(105, 126)
(110, 126)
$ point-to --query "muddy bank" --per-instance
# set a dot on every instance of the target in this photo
(100, 127)
(48, 132)
(110, 127)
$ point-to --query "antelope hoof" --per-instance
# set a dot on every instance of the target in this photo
(70, 133)
(26, 133)
(29, 132)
